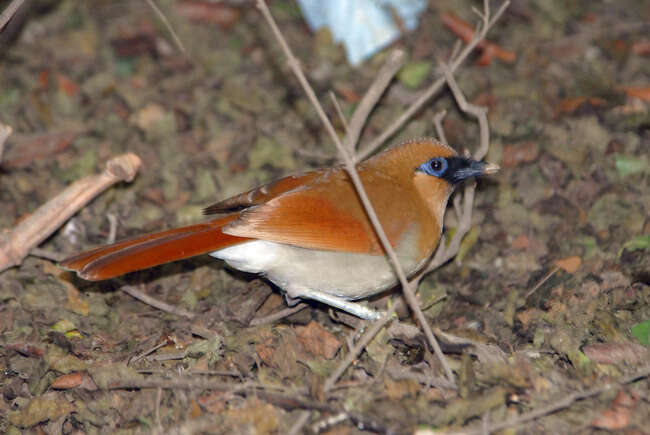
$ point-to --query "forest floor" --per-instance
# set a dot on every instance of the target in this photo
(545, 310)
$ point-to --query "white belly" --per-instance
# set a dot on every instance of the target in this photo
(346, 275)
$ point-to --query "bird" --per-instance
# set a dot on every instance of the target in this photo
(309, 234)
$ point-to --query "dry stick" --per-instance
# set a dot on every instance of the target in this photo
(386, 73)
(339, 111)
(440, 131)
(480, 113)
(274, 317)
(5, 132)
(165, 21)
(9, 12)
(560, 404)
(50, 216)
(48, 255)
(349, 164)
(445, 252)
(433, 89)
(163, 306)
(542, 281)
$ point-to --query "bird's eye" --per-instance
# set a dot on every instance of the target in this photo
(436, 166)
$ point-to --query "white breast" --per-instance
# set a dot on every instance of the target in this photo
(342, 274)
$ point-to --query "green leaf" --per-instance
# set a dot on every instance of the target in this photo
(638, 243)
(412, 74)
(628, 165)
(641, 331)
(466, 245)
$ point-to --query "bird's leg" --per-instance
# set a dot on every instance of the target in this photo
(353, 308)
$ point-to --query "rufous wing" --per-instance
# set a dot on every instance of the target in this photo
(324, 215)
(263, 194)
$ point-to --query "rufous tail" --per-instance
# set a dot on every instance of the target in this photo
(152, 249)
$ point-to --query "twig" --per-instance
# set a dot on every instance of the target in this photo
(9, 12)
(349, 164)
(165, 21)
(564, 402)
(48, 255)
(480, 113)
(339, 111)
(301, 421)
(375, 91)
(112, 229)
(146, 352)
(5, 132)
(445, 252)
(542, 281)
(358, 348)
(274, 317)
(433, 89)
(163, 306)
(50, 216)
(440, 131)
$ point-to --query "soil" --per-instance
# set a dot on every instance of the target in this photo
(550, 296)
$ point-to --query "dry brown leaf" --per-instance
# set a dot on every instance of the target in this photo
(261, 415)
(317, 340)
(49, 406)
(569, 264)
(640, 93)
(515, 155)
(614, 353)
(65, 382)
(615, 418)
(219, 13)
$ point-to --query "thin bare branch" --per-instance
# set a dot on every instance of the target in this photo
(30, 232)
(480, 113)
(375, 91)
(5, 132)
(274, 317)
(433, 89)
(163, 306)
(48, 255)
(349, 163)
(561, 403)
(9, 12)
(437, 123)
(165, 21)
(339, 111)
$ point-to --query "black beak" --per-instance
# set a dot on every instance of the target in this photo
(461, 168)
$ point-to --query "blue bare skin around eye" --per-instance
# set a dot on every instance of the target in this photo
(426, 167)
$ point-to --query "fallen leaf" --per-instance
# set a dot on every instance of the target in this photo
(636, 92)
(569, 264)
(397, 390)
(49, 406)
(68, 87)
(614, 353)
(76, 303)
(207, 12)
(148, 115)
(261, 415)
(641, 331)
(317, 340)
(641, 47)
(514, 155)
(465, 31)
(615, 418)
(28, 148)
(570, 105)
(26, 349)
(65, 382)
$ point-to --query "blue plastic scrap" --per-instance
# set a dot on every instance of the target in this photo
(363, 26)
